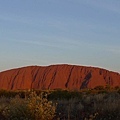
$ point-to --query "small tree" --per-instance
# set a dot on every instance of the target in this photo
(99, 88)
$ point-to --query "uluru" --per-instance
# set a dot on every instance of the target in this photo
(61, 76)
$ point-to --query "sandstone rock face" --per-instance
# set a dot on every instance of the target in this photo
(57, 76)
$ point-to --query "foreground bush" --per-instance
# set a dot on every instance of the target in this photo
(40, 108)
(33, 108)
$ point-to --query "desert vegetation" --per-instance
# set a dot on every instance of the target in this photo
(32, 107)
(100, 103)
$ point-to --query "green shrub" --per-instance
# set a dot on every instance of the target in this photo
(99, 88)
(64, 94)
(8, 93)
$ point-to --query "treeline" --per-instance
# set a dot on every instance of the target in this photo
(60, 93)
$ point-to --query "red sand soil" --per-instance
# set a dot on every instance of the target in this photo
(57, 76)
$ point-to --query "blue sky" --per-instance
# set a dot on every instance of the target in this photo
(45, 32)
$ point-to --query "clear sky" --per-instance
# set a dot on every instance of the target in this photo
(45, 32)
